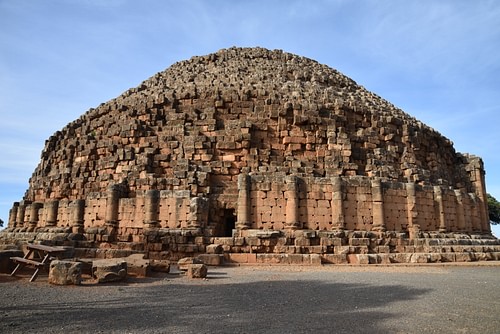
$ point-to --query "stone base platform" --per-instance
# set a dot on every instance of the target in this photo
(292, 247)
(319, 259)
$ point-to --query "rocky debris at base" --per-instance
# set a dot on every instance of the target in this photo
(184, 263)
(109, 270)
(197, 270)
(65, 272)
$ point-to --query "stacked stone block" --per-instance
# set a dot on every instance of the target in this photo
(251, 139)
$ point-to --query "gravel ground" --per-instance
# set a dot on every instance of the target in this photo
(264, 299)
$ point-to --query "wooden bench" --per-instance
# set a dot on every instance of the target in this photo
(44, 253)
(27, 261)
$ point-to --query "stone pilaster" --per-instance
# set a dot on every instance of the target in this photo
(243, 211)
(198, 212)
(476, 215)
(292, 203)
(483, 201)
(477, 176)
(112, 206)
(378, 206)
(411, 206)
(13, 215)
(78, 215)
(51, 209)
(460, 211)
(438, 199)
(338, 220)
(151, 208)
(112, 210)
(21, 212)
(34, 215)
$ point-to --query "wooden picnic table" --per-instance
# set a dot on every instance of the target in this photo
(44, 254)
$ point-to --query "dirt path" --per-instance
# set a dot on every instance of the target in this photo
(329, 299)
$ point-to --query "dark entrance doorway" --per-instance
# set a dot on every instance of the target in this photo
(228, 222)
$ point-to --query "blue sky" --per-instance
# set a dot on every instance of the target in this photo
(437, 60)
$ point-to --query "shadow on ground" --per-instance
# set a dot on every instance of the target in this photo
(277, 306)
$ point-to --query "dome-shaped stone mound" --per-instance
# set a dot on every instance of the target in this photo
(251, 139)
(252, 110)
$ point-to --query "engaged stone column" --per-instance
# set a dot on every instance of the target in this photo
(243, 213)
(483, 202)
(151, 205)
(198, 212)
(112, 205)
(476, 217)
(292, 203)
(411, 205)
(34, 216)
(475, 167)
(378, 206)
(78, 216)
(338, 220)
(13, 215)
(52, 208)
(21, 211)
(460, 211)
(438, 198)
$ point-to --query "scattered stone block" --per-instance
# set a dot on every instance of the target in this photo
(196, 270)
(184, 263)
(137, 265)
(162, 266)
(65, 272)
(109, 270)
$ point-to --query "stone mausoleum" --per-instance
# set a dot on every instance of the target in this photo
(254, 155)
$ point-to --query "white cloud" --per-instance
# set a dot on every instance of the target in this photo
(438, 60)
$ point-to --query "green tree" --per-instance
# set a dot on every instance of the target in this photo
(494, 209)
(1, 223)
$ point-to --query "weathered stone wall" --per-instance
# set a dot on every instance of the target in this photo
(249, 140)
(277, 203)
(197, 125)
(360, 209)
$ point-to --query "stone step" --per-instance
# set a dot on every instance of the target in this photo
(410, 258)
(288, 259)
(317, 259)
(134, 246)
(103, 253)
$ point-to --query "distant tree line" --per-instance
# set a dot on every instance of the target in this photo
(494, 209)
